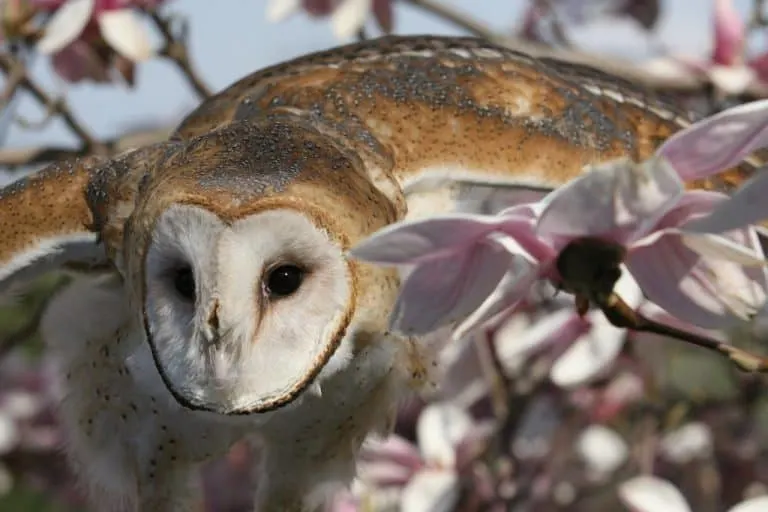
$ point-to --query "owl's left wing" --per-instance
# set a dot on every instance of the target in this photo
(46, 223)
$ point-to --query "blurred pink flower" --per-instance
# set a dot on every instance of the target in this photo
(347, 16)
(88, 38)
(728, 67)
(428, 475)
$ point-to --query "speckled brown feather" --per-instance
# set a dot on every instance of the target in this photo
(430, 102)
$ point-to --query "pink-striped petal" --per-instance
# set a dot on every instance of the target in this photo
(746, 206)
(729, 34)
(708, 293)
(446, 290)
(718, 142)
(512, 288)
(618, 199)
(420, 240)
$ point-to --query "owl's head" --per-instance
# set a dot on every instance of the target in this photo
(241, 276)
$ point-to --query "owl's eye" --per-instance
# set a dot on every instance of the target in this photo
(284, 280)
(184, 282)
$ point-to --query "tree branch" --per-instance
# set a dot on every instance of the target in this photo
(16, 73)
(175, 49)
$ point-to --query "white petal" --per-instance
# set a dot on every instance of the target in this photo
(652, 494)
(279, 10)
(721, 248)
(590, 355)
(594, 352)
(123, 31)
(687, 443)
(9, 434)
(518, 336)
(66, 24)
(431, 491)
(602, 449)
(440, 428)
(759, 504)
(349, 17)
(732, 80)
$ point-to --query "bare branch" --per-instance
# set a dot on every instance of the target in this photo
(175, 49)
(16, 71)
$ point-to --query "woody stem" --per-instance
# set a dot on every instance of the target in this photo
(621, 315)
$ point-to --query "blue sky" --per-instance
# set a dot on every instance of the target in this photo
(230, 38)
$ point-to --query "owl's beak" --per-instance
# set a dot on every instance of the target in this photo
(212, 329)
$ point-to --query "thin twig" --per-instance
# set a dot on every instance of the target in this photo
(682, 81)
(15, 69)
(456, 17)
(176, 50)
(621, 315)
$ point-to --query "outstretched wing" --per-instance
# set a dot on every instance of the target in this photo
(46, 223)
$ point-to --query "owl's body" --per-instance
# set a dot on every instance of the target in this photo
(225, 306)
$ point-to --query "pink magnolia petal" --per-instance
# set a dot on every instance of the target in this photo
(123, 30)
(759, 504)
(746, 206)
(718, 142)
(383, 473)
(512, 288)
(707, 293)
(729, 33)
(78, 62)
(618, 198)
(420, 240)
(561, 327)
(440, 429)
(393, 449)
(320, 7)
(649, 493)
(66, 24)
(382, 12)
(445, 291)
(431, 491)
(760, 64)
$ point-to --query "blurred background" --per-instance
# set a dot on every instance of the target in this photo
(583, 413)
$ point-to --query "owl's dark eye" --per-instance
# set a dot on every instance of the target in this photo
(184, 282)
(284, 280)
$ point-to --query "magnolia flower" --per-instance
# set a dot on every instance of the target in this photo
(590, 343)
(426, 475)
(728, 67)
(641, 214)
(88, 37)
(347, 16)
(649, 493)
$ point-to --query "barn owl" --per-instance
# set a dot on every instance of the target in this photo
(215, 299)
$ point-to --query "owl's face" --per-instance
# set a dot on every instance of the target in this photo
(258, 304)
(245, 290)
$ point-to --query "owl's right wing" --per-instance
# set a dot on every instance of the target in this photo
(46, 223)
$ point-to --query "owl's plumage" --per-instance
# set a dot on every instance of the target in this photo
(224, 305)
